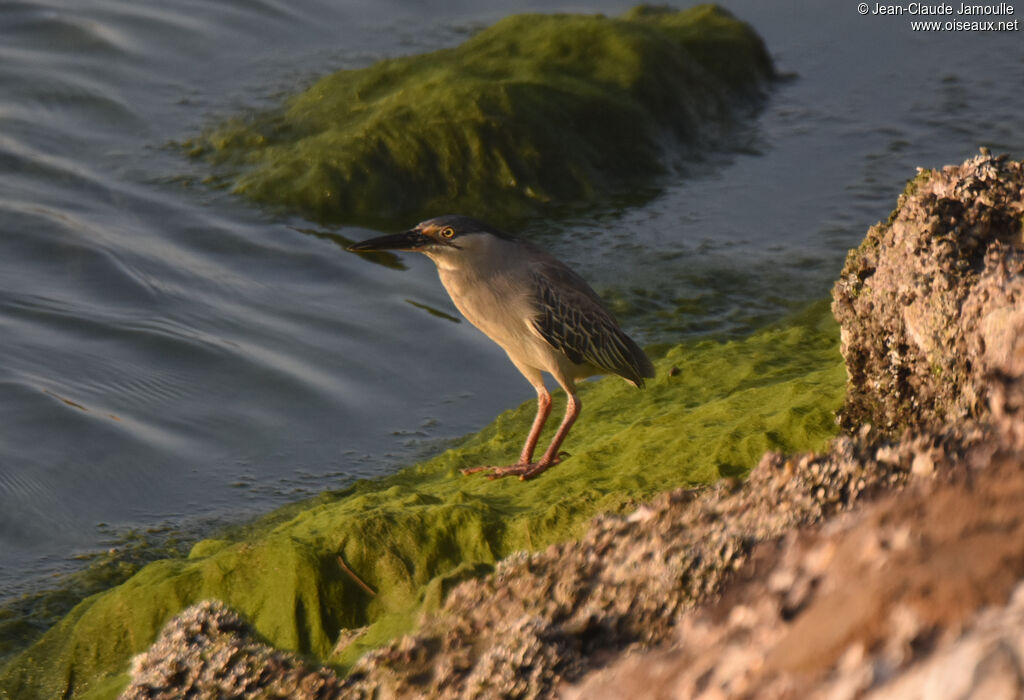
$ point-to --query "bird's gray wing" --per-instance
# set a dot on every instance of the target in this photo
(571, 317)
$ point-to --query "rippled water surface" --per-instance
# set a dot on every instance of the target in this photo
(173, 356)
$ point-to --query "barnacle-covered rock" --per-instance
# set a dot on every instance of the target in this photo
(889, 601)
(932, 302)
(920, 594)
(209, 651)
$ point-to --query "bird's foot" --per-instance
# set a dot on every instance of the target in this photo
(524, 470)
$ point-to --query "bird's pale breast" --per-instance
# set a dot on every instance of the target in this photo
(498, 305)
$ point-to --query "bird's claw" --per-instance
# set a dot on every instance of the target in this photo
(523, 470)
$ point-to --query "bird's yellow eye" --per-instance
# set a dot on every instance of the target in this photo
(447, 232)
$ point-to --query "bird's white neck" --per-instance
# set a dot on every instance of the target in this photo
(443, 262)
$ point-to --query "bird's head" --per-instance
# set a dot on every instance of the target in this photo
(447, 240)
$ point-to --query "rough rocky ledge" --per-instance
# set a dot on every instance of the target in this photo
(890, 566)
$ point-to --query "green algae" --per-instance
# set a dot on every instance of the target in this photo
(533, 111)
(712, 410)
(25, 618)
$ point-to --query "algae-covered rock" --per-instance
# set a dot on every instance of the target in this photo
(932, 301)
(712, 411)
(534, 110)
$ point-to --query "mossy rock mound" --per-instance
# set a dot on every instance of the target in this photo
(713, 410)
(536, 110)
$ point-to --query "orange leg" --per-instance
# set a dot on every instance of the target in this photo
(543, 411)
(526, 469)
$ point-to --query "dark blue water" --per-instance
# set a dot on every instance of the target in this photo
(173, 356)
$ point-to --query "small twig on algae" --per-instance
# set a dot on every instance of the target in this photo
(352, 574)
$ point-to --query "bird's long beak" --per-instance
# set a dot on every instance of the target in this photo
(408, 240)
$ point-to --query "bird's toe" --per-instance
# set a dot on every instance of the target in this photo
(523, 470)
(535, 469)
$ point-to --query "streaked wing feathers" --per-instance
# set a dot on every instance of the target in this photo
(571, 317)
